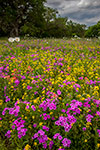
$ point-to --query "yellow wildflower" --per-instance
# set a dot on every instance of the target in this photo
(35, 101)
(96, 88)
(35, 143)
(49, 139)
(1, 101)
(51, 113)
(33, 117)
(85, 140)
(27, 147)
(98, 145)
(40, 124)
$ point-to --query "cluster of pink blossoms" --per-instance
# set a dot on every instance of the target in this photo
(48, 104)
(13, 111)
(98, 130)
(66, 142)
(41, 137)
(20, 128)
(19, 123)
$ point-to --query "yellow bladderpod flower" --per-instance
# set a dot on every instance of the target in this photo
(60, 98)
(49, 139)
(88, 95)
(78, 96)
(96, 88)
(1, 101)
(27, 147)
(18, 101)
(51, 113)
(98, 145)
(35, 143)
(25, 93)
(33, 117)
(96, 93)
(88, 110)
(25, 117)
(0, 123)
(29, 127)
(92, 103)
(43, 92)
(24, 87)
(60, 147)
(12, 87)
(88, 124)
(85, 140)
(35, 100)
(80, 109)
(27, 109)
(40, 124)
(72, 124)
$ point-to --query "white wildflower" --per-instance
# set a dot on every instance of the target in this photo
(17, 39)
(10, 39)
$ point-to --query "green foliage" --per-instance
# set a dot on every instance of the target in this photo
(15, 14)
(93, 31)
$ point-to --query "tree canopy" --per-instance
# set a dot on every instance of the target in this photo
(15, 14)
(93, 31)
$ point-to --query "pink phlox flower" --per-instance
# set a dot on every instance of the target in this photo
(58, 92)
(33, 107)
(29, 87)
(66, 142)
(98, 113)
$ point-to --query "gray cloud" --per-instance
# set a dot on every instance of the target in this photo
(81, 11)
(89, 3)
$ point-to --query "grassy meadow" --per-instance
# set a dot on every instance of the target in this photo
(50, 94)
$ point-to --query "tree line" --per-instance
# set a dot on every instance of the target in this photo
(32, 17)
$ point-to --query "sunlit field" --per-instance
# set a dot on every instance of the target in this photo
(50, 94)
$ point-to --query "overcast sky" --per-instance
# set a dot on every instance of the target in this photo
(80, 11)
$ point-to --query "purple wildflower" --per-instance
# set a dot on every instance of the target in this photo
(98, 113)
(33, 107)
(58, 92)
(59, 137)
(56, 135)
(45, 145)
(13, 126)
(29, 87)
(88, 117)
(8, 134)
(84, 128)
(23, 77)
(51, 144)
(7, 99)
(17, 82)
(41, 132)
(27, 107)
(35, 125)
(98, 130)
(66, 142)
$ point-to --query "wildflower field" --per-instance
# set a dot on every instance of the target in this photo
(50, 94)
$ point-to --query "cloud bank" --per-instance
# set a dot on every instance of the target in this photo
(81, 11)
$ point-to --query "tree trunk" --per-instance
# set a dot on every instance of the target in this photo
(14, 32)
